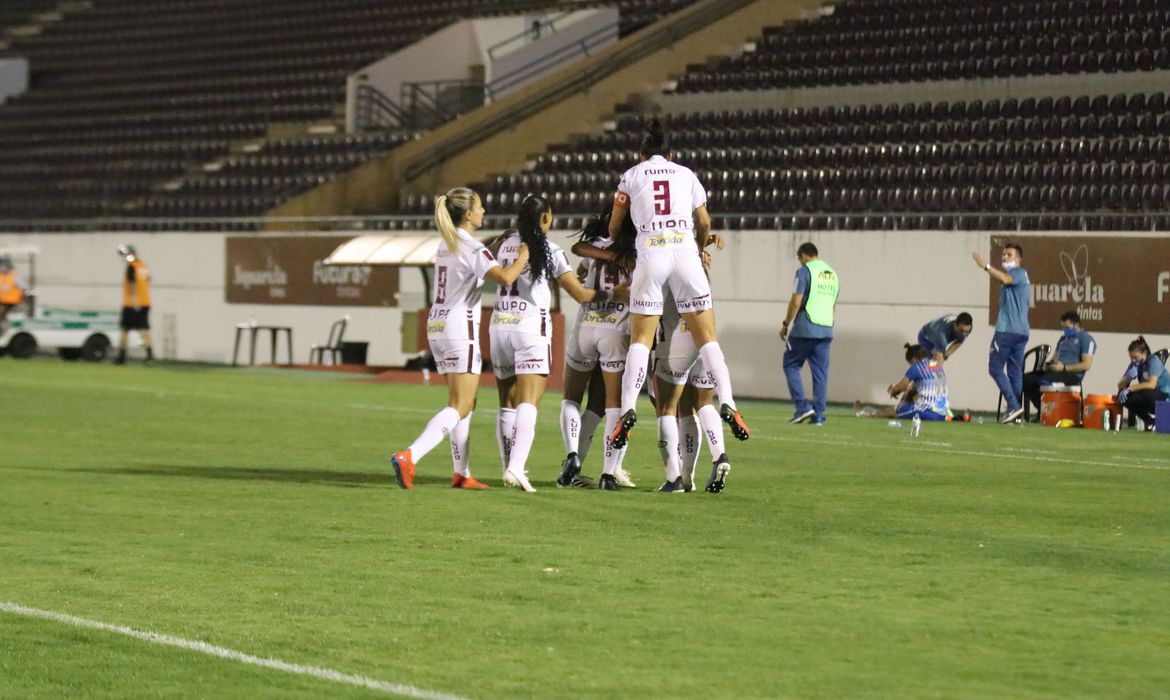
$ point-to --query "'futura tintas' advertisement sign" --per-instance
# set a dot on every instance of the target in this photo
(290, 270)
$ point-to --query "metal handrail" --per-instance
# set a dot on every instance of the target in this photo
(648, 41)
(549, 23)
(562, 54)
(375, 108)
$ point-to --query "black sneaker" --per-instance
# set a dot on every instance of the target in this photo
(719, 470)
(608, 483)
(675, 486)
(149, 357)
(731, 417)
(570, 468)
(621, 434)
(121, 359)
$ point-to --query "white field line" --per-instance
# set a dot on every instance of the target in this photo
(906, 446)
(324, 674)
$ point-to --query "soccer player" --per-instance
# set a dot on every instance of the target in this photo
(12, 289)
(669, 208)
(135, 304)
(461, 265)
(1006, 358)
(521, 329)
(1069, 362)
(807, 332)
(1145, 383)
(600, 339)
(943, 336)
(923, 389)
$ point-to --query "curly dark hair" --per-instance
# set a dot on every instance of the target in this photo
(540, 263)
(624, 244)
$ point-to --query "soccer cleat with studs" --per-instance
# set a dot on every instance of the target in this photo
(608, 483)
(621, 434)
(570, 468)
(720, 468)
(675, 486)
(733, 420)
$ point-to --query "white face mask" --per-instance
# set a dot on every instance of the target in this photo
(1011, 264)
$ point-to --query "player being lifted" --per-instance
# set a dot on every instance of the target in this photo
(669, 208)
(461, 264)
(521, 330)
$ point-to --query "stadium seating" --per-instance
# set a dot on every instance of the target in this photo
(127, 97)
(927, 165)
(898, 41)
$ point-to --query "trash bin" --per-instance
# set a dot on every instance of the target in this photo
(354, 352)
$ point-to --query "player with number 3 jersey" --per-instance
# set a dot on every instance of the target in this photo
(668, 206)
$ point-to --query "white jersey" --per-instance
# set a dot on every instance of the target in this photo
(524, 305)
(611, 313)
(458, 283)
(662, 197)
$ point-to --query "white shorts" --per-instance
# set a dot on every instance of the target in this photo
(588, 345)
(675, 357)
(455, 355)
(680, 268)
(520, 353)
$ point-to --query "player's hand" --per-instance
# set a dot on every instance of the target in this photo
(522, 253)
(784, 333)
(979, 259)
(1122, 396)
(715, 240)
(705, 257)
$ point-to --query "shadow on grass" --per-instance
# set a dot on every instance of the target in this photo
(276, 474)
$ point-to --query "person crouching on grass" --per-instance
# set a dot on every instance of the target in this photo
(922, 390)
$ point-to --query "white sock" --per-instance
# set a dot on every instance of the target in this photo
(668, 445)
(712, 430)
(460, 444)
(570, 425)
(505, 428)
(715, 363)
(437, 429)
(612, 415)
(690, 442)
(634, 376)
(589, 423)
(525, 435)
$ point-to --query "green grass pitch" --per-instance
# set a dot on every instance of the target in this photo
(255, 510)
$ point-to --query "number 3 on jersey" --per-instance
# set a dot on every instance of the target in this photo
(662, 197)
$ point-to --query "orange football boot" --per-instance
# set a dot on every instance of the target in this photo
(403, 469)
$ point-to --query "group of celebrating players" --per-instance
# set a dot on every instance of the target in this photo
(644, 278)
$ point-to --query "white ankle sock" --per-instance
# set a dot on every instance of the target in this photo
(712, 430)
(589, 423)
(715, 363)
(525, 434)
(570, 425)
(437, 429)
(460, 444)
(668, 445)
(635, 375)
(690, 443)
(505, 428)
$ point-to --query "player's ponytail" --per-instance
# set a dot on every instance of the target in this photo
(1139, 344)
(915, 353)
(624, 249)
(528, 224)
(450, 209)
(655, 143)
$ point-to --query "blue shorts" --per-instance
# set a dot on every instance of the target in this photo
(926, 344)
(909, 410)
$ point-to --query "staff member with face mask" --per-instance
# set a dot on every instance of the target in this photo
(1006, 358)
(943, 336)
(1070, 361)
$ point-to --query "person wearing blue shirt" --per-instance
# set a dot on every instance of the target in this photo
(1145, 383)
(808, 331)
(943, 336)
(1006, 359)
(1069, 362)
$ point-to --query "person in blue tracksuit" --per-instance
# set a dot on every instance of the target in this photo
(1006, 358)
(945, 335)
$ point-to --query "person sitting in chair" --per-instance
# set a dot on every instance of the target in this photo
(1068, 363)
(1145, 383)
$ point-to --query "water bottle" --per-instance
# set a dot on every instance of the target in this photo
(1117, 421)
(895, 424)
(915, 426)
(426, 375)
(1107, 424)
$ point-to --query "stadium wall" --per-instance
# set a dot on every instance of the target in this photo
(892, 283)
